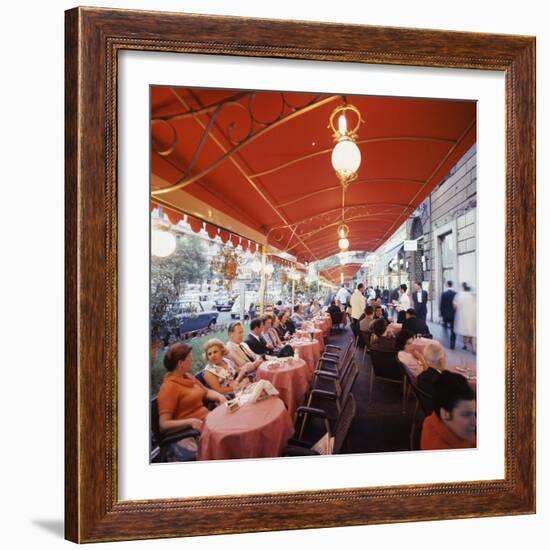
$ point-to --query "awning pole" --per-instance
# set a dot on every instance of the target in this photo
(262, 280)
(293, 289)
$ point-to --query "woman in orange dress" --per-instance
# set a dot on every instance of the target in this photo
(181, 396)
(452, 425)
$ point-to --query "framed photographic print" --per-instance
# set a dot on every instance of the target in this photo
(292, 275)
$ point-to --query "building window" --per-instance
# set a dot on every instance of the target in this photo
(447, 254)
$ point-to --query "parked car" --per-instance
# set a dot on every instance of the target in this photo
(224, 303)
(206, 300)
(250, 296)
(251, 305)
(187, 317)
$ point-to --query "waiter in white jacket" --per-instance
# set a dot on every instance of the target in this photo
(357, 303)
(403, 304)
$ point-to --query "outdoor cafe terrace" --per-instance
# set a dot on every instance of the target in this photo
(291, 180)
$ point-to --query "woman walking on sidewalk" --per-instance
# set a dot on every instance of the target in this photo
(465, 318)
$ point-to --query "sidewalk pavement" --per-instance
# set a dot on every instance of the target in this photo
(456, 356)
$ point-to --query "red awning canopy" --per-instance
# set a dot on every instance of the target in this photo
(334, 273)
(264, 159)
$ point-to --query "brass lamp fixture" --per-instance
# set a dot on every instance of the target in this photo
(343, 242)
(346, 156)
(163, 242)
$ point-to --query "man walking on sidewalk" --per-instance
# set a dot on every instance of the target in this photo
(447, 311)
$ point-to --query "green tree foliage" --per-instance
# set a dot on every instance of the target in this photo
(170, 275)
(327, 262)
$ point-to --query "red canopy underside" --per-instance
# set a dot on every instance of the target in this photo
(282, 183)
(334, 273)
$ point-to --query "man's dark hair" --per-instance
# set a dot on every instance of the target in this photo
(280, 303)
(378, 327)
(419, 283)
(360, 286)
(255, 323)
(449, 283)
(411, 312)
(401, 339)
(404, 287)
(176, 352)
(369, 310)
(449, 389)
(296, 308)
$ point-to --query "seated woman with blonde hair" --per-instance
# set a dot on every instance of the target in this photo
(220, 373)
(435, 360)
(411, 358)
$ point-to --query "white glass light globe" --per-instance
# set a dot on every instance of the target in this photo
(346, 157)
(342, 124)
(343, 244)
(257, 266)
(163, 243)
(269, 269)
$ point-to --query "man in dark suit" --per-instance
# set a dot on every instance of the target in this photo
(254, 340)
(414, 324)
(420, 299)
(447, 311)
(258, 345)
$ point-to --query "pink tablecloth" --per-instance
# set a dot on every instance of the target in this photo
(468, 370)
(308, 350)
(393, 328)
(324, 323)
(292, 382)
(256, 430)
(317, 334)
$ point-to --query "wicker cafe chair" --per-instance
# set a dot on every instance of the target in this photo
(365, 338)
(300, 447)
(159, 440)
(334, 357)
(339, 320)
(330, 370)
(210, 405)
(386, 367)
(330, 401)
(333, 401)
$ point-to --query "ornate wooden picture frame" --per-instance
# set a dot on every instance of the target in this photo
(94, 37)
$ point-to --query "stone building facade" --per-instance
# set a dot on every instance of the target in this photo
(444, 226)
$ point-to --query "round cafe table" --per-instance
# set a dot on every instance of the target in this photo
(255, 430)
(393, 328)
(309, 350)
(317, 334)
(291, 381)
(468, 370)
(324, 323)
